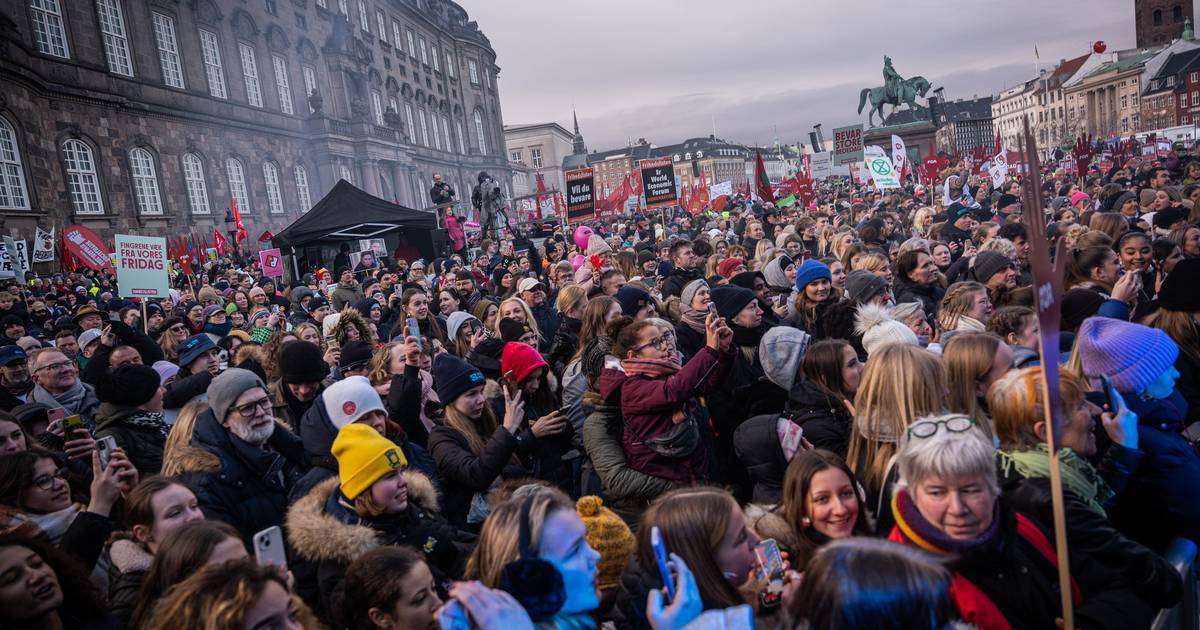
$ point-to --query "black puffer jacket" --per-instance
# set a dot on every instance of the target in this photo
(463, 473)
(929, 295)
(756, 443)
(143, 445)
(824, 418)
(564, 344)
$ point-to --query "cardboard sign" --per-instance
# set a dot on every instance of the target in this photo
(848, 144)
(581, 194)
(86, 245)
(882, 173)
(271, 262)
(658, 182)
(142, 266)
(7, 270)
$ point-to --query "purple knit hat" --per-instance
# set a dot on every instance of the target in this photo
(1132, 355)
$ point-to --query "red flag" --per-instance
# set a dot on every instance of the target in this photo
(999, 143)
(762, 183)
(541, 188)
(241, 229)
(218, 241)
(69, 263)
(265, 236)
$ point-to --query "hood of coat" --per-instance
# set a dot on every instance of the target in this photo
(611, 381)
(127, 555)
(319, 536)
(352, 318)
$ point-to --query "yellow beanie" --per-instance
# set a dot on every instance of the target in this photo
(609, 536)
(363, 457)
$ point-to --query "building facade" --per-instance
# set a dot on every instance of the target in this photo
(542, 148)
(152, 116)
(1106, 101)
(1157, 22)
(964, 125)
(1011, 107)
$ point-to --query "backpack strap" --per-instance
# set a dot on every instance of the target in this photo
(1034, 536)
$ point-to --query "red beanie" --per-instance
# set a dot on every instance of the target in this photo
(725, 267)
(520, 359)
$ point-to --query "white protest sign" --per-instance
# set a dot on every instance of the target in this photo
(822, 165)
(724, 188)
(6, 264)
(874, 150)
(142, 266)
(883, 174)
(43, 246)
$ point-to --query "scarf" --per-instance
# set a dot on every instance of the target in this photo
(149, 420)
(1077, 474)
(74, 400)
(747, 337)
(220, 330)
(54, 524)
(970, 324)
(927, 536)
(693, 318)
(658, 369)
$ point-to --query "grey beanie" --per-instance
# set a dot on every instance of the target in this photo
(862, 285)
(987, 264)
(690, 289)
(780, 351)
(455, 321)
(227, 386)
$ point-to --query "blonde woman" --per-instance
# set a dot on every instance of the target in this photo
(764, 251)
(973, 362)
(842, 241)
(966, 307)
(571, 302)
(179, 455)
(877, 264)
(921, 222)
(516, 309)
(900, 384)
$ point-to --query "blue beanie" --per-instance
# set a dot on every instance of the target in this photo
(632, 299)
(729, 299)
(1132, 355)
(811, 271)
(452, 377)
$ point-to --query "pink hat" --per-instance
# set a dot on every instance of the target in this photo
(1078, 196)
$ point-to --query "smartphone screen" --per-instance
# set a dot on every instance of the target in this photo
(414, 330)
(71, 425)
(660, 557)
(770, 570)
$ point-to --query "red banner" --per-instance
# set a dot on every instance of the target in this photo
(87, 247)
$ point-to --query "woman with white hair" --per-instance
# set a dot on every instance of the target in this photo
(947, 502)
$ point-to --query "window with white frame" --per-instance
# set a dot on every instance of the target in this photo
(479, 132)
(412, 128)
(487, 77)
(274, 197)
(116, 42)
(302, 188)
(168, 50)
(394, 104)
(437, 139)
(381, 22)
(310, 83)
(424, 130)
(437, 65)
(535, 157)
(412, 42)
(446, 134)
(237, 183)
(48, 31)
(424, 50)
(13, 193)
(514, 156)
(1195, 98)
(193, 179)
(282, 84)
(82, 178)
(462, 139)
(396, 39)
(362, 16)
(210, 49)
(473, 70)
(377, 106)
(450, 64)
(250, 71)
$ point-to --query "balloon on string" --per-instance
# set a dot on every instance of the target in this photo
(582, 234)
(1099, 47)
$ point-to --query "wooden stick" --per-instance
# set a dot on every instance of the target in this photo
(145, 322)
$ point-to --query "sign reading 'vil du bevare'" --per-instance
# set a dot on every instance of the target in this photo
(581, 195)
(658, 182)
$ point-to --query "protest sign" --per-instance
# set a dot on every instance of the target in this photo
(724, 188)
(658, 182)
(43, 246)
(848, 144)
(271, 262)
(142, 266)
(899, 154)
(86, 246)
(882, 173)
(581, 194)
(822, 165)
(13, 266)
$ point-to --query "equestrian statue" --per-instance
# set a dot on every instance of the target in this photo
(894, 91)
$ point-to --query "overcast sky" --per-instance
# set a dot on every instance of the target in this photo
(665, 69)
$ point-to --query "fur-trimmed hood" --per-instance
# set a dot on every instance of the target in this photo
(318, 536)
(352, 318)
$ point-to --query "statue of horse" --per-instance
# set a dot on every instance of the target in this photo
(907, 91)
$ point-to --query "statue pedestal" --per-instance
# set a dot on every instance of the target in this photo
(918, 138)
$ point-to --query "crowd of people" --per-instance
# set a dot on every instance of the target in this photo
(607, 427)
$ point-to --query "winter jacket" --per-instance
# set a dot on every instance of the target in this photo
(127, 569)
(563, 344)
(929, 295)
(756, 443)
(284, 405)
(673, 284)
(184, 389)
(455, 231)
(143, 445)
(688, 340)
(627, 492)
(251, 489)
(464, 474)
(324, 530)
(404, 402)
(1189, 384)
(345, 294)
(824, 418)
(648, 404)
(547, 322)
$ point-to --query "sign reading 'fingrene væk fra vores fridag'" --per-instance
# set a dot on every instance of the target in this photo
(581, 194)
(142, 266)
(658, 182)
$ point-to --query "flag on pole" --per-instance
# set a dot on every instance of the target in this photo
(265, 236)
(762, 182)
(219, 241)
(43, 246)
(899, 156)
(241, 229)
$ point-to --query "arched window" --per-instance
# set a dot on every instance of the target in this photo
(145, 181)
(302, 188)
(82, 178)
(1177, 13)
(237, 183)
(13, 193)
(193, 177)
(1158, 17)
(479, 132)
(274, 198)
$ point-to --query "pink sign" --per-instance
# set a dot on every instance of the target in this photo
(272, 262)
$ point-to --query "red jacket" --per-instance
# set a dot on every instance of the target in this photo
(455, 231)
(648, 404)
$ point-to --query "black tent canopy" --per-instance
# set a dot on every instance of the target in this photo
(348, 213)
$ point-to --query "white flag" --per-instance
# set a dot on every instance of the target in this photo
(43, 246)
(874, 150)
(899, 155)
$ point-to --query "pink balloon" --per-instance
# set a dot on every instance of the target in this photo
(582, 234)
(577, 262)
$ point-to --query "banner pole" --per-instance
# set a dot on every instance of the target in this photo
(145, 320)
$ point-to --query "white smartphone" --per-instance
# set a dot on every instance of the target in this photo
(104, 448)
(268, 548)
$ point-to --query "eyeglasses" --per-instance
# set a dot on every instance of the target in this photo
(247, 410)
(61, 365)
(46, 482)
(660, 343)
(176, 328)
(928, 428)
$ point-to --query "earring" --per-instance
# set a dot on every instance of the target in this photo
(806, 522)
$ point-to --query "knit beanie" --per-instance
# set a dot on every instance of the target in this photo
(810, 271)
(781, 351)
(1115, 202)
(987, 264)
(521, 359)
(878, 329)
(210, 310)
(455, 321)
(355, 355)
(725, 267)
(128, 386)
(1132, 355)
(729, 300)
(609, 536)
(862, 285)
(231, 308)
(363, 456)
(511, 329)
(632, 299)
(1079, 304)
(302, 362)
(350, 399)
(1078, 196)
(166, 371)
(597, 246)
(1178, 293)
(224, 390)
(689, 291)
(452, 377)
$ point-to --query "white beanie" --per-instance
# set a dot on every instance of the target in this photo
(878, 329)
(329, 324)
(350, 399)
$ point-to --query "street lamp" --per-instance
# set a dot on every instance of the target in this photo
(231, 229)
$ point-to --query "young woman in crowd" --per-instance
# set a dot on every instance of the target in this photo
(182, 553)
(965, 307)
(389, 587)
(974, 360)
(43, 587)
(822, 502)
(233, 595)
